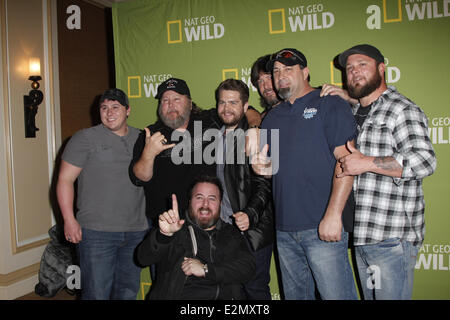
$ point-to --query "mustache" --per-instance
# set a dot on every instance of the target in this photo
(204, 209)
(227, 111)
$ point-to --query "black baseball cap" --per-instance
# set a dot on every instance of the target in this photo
(115, 95)
(365, 49)
(177, 85)
(288, 57)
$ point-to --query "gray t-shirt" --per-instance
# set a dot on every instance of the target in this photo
(106, 199)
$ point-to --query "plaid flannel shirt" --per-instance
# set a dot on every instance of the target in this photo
(388, 207)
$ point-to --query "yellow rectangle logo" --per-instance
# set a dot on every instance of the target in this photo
(399, 10)
(276, 17)
(332, 75)
(176, 36)
(229, 74)
(134, 87)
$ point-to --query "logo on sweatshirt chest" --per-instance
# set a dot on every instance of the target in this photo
(309, 113)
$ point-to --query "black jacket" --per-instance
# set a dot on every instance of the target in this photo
(230, 263)
(252, 194)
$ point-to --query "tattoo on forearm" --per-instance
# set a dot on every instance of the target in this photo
(387, 163)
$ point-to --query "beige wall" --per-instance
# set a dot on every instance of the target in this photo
(26, 164)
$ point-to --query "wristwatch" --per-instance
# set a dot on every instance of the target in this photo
(205, 268)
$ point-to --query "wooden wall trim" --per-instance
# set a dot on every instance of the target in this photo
(19, 275)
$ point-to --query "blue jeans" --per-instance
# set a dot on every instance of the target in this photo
(308, 263)
(107, 266)
(386, 269)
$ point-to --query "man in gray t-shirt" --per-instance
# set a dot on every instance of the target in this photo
(110, 219)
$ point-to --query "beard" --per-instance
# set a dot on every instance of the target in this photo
(203, 223)
(285, 93)
(233, 121)
(358, 92)
(176, 122)
(267, 103)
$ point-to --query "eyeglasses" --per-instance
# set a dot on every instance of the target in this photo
(287, 54)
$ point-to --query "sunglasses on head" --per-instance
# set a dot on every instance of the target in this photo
(287, 54)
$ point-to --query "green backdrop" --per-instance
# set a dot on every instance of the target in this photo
(207, 41)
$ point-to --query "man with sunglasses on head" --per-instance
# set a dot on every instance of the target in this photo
(309, 198)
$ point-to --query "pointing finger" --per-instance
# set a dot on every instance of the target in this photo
(174, 203)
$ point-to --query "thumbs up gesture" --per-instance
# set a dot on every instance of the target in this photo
(169, 221)
(353, 164)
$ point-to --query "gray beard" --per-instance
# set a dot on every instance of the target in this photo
(178, 121)
(285, 93)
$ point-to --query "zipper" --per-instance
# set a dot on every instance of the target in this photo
(211, 258)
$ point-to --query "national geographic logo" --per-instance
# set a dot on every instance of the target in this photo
(414, 9)
(439, 131)
(145, 84)
(301, 18)
(434, 257)
(195, 29)
(243, 73)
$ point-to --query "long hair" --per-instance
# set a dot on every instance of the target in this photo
(260, 65)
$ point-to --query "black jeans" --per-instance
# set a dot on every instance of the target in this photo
(258, 288)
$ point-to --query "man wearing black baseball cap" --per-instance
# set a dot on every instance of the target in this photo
(152, 164)
(364, 49)
(350, 95)
(308, 198)
(392, 156)
(110, 219)
(174, 84)
(288, 57)
(175, 103)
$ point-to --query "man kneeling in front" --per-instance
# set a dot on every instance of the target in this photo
(202, 257)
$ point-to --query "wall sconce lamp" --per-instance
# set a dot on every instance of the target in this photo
(33, 99)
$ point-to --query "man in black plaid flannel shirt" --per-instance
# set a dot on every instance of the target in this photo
(393, 155)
